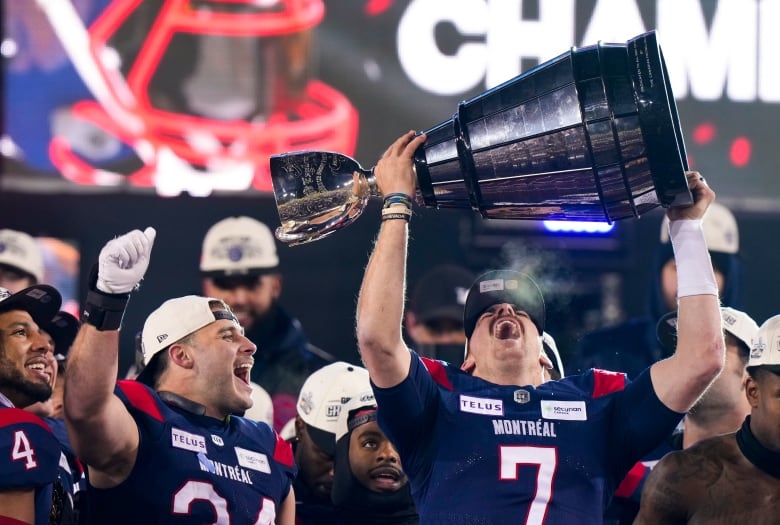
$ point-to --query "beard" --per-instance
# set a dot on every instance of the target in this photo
(19, 390)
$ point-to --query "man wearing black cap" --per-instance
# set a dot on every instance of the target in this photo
(30, 452)
(434, 317)
(545, 452)
(168, 448)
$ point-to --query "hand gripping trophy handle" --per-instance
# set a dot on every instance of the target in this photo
(592, 135)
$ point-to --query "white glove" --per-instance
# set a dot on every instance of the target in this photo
(123, 261)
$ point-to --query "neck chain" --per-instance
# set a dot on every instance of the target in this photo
(760, 456)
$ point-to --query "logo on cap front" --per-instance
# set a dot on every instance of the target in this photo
(235, 253)
(758, 349)
(306, 404)
(492, 285)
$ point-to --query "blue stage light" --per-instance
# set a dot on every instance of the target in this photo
(587, 228)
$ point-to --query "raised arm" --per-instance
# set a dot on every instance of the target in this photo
(102, 431)
(381, 302)
(681, 379)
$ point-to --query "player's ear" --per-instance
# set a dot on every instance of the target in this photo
(751, 391)
(545, 361)
(468, 365)
(180, 354)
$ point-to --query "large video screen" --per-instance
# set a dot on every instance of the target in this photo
(175, 96)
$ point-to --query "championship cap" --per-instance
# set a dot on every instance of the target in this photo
(238, 246)
(441, 293)
(22, 253)
(765, 350)
(262, 406)
(174, 320)
(720, 230)
(62, 329)
(324, 394)
(41, 301)
(737, 323)
(354, 414)
(503, 286)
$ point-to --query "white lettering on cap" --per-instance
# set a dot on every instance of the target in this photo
(491, 285)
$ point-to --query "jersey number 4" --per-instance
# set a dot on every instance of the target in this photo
(193, 491)
(545, 460)
(23, 450)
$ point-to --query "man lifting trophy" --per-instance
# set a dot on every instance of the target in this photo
(591, 135)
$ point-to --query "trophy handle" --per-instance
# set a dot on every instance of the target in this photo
(318, 193)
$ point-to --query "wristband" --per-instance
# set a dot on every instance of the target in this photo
(102, 310)
(393, 216)
(397, 211)
(694, 268)
(397, 198)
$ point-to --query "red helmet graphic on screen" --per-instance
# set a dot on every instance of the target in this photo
(204, 91)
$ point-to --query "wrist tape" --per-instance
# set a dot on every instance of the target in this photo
(694, 268)
(102, 310)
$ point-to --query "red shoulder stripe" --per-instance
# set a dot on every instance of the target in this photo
(283, 451)
(632, 480)
(438, 372)
(13, 416)
(5, 520)
(140, 396)
(605, 382)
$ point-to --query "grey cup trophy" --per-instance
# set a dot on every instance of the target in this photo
(590, 135)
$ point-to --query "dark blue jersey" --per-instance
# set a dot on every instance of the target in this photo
(624, 507)
(480, 453)
(29, 458)
(195, 469)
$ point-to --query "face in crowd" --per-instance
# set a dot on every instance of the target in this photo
(374, 461)
(28, 369)
(250, 297)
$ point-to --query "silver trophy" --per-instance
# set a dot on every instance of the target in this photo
(591, 135)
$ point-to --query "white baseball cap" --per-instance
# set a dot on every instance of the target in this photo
(174, 320)
(324, 394)
(739, 324)
(352, 415)
(262, 406)
(238, 246)
(765, 350)
(720, 230)
(21, 252)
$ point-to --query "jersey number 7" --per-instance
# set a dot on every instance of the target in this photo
(545, 460)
